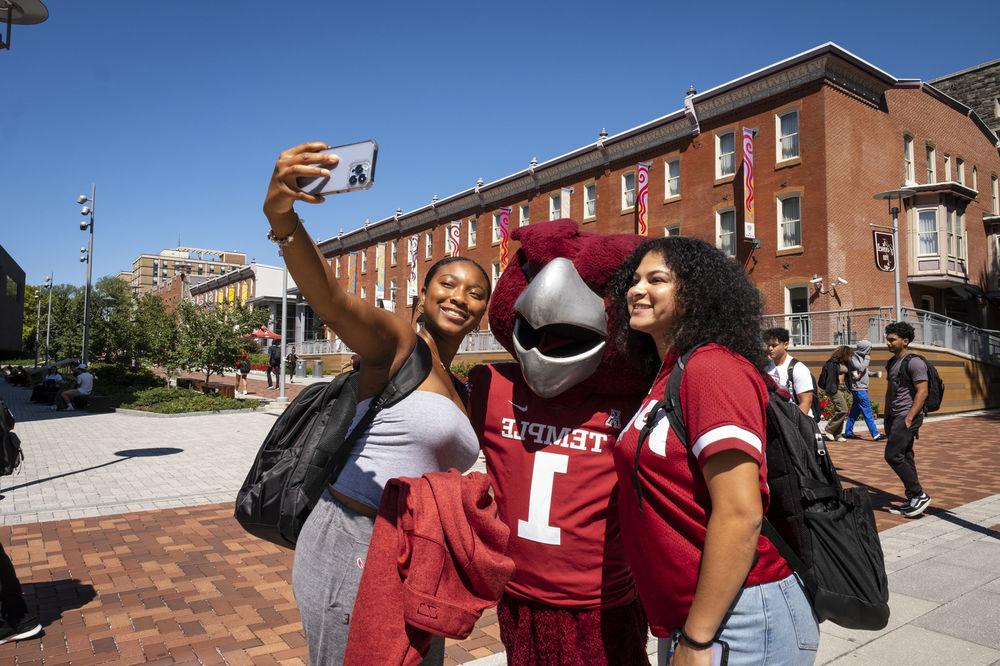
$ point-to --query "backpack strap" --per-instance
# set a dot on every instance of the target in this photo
(790, 379)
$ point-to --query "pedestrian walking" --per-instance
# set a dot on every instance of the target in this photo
(837, 388)
(789, 372)
(273, 365)
(699, 507)
(242, 371)
(861, 404)
(291, 360)
(904, 404)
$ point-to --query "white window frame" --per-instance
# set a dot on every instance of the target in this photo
(364, 260)
(719, 233)
(719, 155)
(336, 267)
(962, 239)
(995, 193)
(778, 137)
(555, 205)
(428, 244)
(671, 182)
(960, 170)
(947, 168)
(780, 207)
(909, 174)
(523, 213)
(589, 201)
(495, 272)
(394, 252)
(625, 190)
(393, 293)
(975, 178)
(470, 236)
(937, 233)
(495, 228)
(931, 155)
(671, 228)
(364, 293)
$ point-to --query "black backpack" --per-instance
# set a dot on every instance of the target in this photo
(274, 356)
(828, 377)
(935, 387)
(308, 446)
(11, 455)
(825, 532)
(816, 410)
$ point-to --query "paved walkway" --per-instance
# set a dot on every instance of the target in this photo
(128, 547)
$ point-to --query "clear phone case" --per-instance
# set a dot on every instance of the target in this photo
(354, 171)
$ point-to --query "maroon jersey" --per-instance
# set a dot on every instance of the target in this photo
(723, 400)
(553, 476)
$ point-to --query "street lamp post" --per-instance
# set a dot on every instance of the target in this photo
(88, 258)
(48, 323)
(898, 194)
(284, 326)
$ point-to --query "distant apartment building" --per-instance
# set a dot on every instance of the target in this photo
(176, 289)
(153, 270)
(978, 88)
(11, 303)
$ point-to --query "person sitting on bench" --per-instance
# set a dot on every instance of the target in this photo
(84, 387)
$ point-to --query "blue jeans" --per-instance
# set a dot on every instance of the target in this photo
(860, 404)
(768, 625)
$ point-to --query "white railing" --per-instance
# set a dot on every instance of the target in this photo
(846, 327)
(477, 342)
(318, 347)
(480, 341)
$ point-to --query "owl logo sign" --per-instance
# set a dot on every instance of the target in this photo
(885, 256)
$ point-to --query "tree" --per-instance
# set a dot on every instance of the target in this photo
(210, 340)
(28, 339)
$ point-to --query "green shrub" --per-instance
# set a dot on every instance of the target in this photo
(165, 400)
(106, 374)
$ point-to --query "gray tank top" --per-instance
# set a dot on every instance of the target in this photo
(424, 432)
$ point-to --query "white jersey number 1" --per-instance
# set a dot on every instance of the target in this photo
(536, 527)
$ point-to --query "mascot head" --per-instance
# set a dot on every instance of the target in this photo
(549, 310)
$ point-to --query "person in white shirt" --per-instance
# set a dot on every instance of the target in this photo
(53, 376)
(800, 383)
(84, 386)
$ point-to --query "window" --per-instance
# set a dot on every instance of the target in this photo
(789, 222)
(975, 179)
(947, 167)
(908, 175)
(960, 238)
(797, 305)
(628, 190)
(523, 215)
(995, 186)
(336, 267)
(364, 260)
(495, 228)
(927, 232)
(931, 164)
(960, 170)
(672, 171)
(393, 251)
(672, 230)
(725, 231)
(788, 135)
(996, 107)
(927, 303)
(589, 201)
(393, 294)
(495, 270)
(725, 154)
(555, 206)
(472, 232)
(428, 245)
(364, 293)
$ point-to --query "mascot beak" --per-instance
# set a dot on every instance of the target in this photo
(561, 329)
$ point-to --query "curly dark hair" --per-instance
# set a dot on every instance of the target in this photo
(901, 329)
(715, 299)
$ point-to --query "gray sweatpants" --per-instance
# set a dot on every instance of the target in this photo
(329, 560)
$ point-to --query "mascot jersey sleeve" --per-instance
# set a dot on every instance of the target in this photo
(553, 475)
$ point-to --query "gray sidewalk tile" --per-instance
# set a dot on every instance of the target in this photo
(937, 580)
(915, 646)
(973, 617)
(983, 554)
(831, 647)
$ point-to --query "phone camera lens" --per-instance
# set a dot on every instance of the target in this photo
(362, 179)
(359, 169)
(354, 180)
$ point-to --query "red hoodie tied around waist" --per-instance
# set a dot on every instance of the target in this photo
(435, 562)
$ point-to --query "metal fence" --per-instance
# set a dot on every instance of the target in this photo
(846, 327)
(316, 347)
(476, 342)
(479, 341)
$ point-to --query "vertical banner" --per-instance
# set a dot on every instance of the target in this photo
(352, 270)
(379, 272)
(504, 220)
(642, 198)
(451, 239)
(244, 292)
(411, 259)
(885, 256)
(749, 230)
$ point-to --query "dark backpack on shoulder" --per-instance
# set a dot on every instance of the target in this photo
(816, 410)
(935, 387)
(828, 377)
(11, 455)
(308, 446)
(824, 531)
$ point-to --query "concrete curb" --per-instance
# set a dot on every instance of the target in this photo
(139, 412)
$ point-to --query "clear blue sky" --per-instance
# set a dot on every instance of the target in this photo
(178, 110)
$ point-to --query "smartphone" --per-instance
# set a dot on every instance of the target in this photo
(720, 650)
(354, 171)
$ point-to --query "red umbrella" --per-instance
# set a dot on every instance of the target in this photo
(265, 333)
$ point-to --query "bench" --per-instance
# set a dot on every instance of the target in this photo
(219, 388)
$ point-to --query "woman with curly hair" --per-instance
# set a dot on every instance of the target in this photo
(691, 514)
(839, 392)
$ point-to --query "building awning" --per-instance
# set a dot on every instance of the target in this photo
(941, 281)
(948, 188)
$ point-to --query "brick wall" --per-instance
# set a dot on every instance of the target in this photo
(978, 87)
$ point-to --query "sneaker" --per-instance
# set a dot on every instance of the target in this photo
(828, 436)
(917, 506)
(70, 408)
(28, 627)
(842, 439)
(879, 437)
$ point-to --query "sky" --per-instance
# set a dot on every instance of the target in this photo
(177, 111)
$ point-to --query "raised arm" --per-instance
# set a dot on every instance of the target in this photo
(381, 339)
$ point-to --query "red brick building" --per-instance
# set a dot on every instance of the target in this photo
(832, 130)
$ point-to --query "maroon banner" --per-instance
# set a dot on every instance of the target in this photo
(885, 258)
